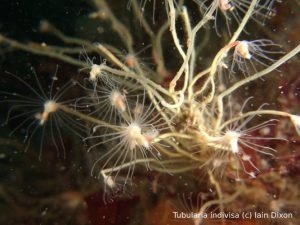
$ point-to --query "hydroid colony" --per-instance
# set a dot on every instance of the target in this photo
(136, 115)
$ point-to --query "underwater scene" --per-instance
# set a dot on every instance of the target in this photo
(150, 112)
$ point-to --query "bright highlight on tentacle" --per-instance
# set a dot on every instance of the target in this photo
(296, 121)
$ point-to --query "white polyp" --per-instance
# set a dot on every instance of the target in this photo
(265, 131)
(108, 180)
(296, 121)
(117, 100)
(225, 5)
(231, 138)
(135, 136)
(50, 106)
(246, 157)
(242, 48)
(217, 163)
(150, 135)
(95, 72)
(252, 174)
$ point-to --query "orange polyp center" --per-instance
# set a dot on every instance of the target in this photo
(136, 137)
(44, 117)
(131, 61)
(118, 100)
(49, 107)
(120, 104)
(243, 49)
(151, 135)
